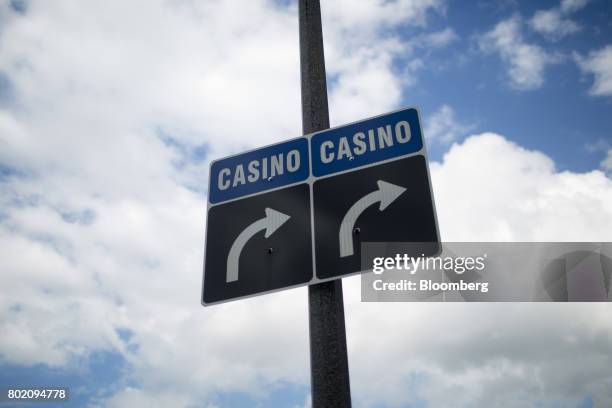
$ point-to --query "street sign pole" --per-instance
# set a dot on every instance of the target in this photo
(328, 355)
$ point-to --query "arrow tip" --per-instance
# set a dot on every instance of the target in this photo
(389, 192)
(274, 219)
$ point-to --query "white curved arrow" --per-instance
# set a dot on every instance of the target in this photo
(386, 194)
(271, 222)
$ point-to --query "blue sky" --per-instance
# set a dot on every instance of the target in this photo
(559, 117)
(110, 113)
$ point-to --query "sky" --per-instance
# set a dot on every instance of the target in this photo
(110, 113)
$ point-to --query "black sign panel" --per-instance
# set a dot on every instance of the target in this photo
(258, 244)
(388, 202)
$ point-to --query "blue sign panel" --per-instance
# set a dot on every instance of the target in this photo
(259, 170)
(366, 142)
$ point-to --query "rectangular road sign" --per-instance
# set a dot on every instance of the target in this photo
(259, 170)
(296, 213)
(369, 141)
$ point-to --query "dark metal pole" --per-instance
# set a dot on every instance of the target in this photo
(329, 376)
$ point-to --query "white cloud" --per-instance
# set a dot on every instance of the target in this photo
(102, 222)
(599, 145)
(438, 39)
(365, 17)
(361, 45)
(569, 6)
(365, 79)
(552, 24)
(95, 87)
(307, 402)
(606, 164)
(482, 355)
(602, 145)
(525, 62)
(133, 397)
(99, 230)
(442, 126)
(513, 194)
(599, 64)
